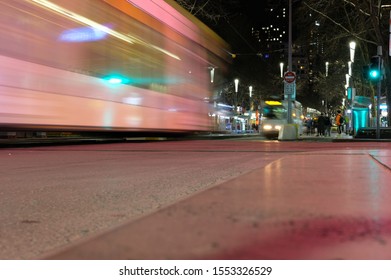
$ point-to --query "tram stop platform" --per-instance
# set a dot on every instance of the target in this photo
(313, 205)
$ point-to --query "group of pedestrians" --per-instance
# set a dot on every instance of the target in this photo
(323, 123)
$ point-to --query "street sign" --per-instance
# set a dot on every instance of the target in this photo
(289, 77)
(289, 89)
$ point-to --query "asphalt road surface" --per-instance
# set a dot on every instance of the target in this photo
(54, 196)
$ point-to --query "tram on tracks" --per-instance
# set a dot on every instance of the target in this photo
(275, 115)
(105, 65)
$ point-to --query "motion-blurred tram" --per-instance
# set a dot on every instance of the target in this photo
(105, 65)
(275, 115)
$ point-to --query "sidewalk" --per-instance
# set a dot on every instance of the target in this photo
(339, 138)
(333, 137)
(309, 205)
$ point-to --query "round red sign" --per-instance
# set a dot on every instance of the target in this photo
(289, 77)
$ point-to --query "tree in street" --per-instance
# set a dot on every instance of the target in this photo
(340, 21)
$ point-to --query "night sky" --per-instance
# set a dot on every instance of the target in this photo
(244, 15)
(254, 9)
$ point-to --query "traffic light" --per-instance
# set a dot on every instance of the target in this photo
(116, 79)
(374, 73)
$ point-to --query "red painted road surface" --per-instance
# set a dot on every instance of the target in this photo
(217, 199)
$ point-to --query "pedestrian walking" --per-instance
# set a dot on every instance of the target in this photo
(321, 125)
(309, 126)
(339, 121)
(327, 125)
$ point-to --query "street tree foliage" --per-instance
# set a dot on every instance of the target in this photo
(332, 24)
(211, 11)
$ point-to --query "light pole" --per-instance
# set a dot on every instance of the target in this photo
(212, 74)
(215, 114)
(250, 89)
(378, 95)
(351, 90)
(325, 102)
(236, 81)
(347, 78)
(327, 68)
(290, 61)
(282, 69)
(352, 46)
(236, 93)
(347, 87)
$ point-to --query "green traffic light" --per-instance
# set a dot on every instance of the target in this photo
(374, 74)
(115, 81)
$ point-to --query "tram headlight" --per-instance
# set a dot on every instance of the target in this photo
(278, 127)
(267, 127)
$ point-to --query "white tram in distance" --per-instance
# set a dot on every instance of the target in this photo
(274, 114)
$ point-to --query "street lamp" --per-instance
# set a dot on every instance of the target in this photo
(282, 69)
(352, 46)
(236, 81)
(250, 89)
(351, 90)
(236, 95)
(212, 74)
(327, 68)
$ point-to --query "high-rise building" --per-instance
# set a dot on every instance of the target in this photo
(272, 37)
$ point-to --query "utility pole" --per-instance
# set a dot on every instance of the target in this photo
(290, 62)
(379, 53)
